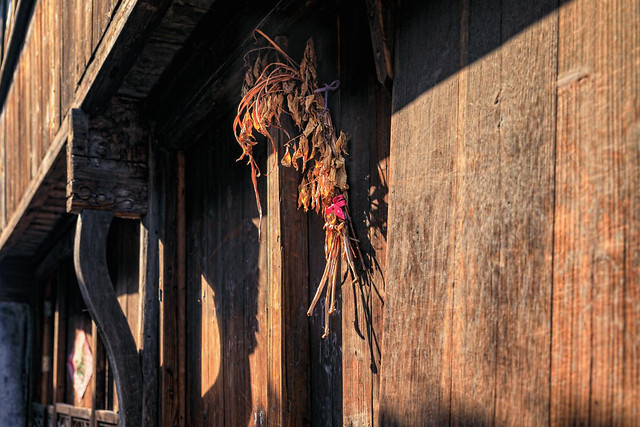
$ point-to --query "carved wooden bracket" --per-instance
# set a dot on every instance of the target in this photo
(107, 162)
(90, 259)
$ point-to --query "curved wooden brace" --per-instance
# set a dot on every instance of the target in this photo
(90, 259)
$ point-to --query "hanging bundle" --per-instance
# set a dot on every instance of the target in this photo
(276, 86)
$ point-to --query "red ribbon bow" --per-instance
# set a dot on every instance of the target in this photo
(336, 207)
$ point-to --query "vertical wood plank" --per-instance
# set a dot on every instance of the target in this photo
(255, 285)
(172, 307)
(213, 313)
(149, 287)
(288, 296)
(236, 374)
(415, 373)
(529, 35)
(365, 115)
(55, 65)
(596, 363)
(67, 48)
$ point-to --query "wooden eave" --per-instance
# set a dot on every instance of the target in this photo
(129, 60)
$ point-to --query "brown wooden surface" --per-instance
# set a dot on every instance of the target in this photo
(513, 176)
(595, 351)
(526, 222)
(364, 108)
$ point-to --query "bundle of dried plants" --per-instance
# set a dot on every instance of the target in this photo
(276, 87)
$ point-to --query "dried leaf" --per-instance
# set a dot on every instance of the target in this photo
(286, 159)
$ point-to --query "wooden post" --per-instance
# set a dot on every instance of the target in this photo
(172, 292)
(99, 295)
(287, 300)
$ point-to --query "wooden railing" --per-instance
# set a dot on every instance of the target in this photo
(63, 415)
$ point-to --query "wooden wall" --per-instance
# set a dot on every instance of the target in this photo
(514, 225)
(59, 44)
(248, 351)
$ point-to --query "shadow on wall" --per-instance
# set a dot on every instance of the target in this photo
(14, 338)
(224, 262)
(425, 30)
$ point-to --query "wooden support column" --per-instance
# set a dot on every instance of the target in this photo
(107, 177)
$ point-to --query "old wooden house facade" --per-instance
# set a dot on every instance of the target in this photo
(494, 183)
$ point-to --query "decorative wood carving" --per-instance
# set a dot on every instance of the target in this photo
(98, 292)
(107, 162)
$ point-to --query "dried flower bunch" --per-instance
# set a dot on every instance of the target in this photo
(276, 86)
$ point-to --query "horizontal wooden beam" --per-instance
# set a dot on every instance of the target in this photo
(129, 30)
(106, 162)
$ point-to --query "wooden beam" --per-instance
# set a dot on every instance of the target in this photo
(124, 39)
(99, 296)
(106, 162)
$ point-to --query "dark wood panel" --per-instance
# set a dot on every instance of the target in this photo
(172, 294)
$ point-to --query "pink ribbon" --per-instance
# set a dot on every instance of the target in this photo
(336, 207)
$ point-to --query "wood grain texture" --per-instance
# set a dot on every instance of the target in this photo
(468, 316)
(595, 353)
(288, 298)
(364, 112)
(98, 293)
(527, 141)
(416, 380)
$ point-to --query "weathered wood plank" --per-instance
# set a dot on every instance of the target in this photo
(416, 372)
(149, 287)
(67, 64)
(98, 293)
(596, 363)
(255, 299)
(526, 209)
(55, 66)
(365, 115)
(172, 329)
(288, 298)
